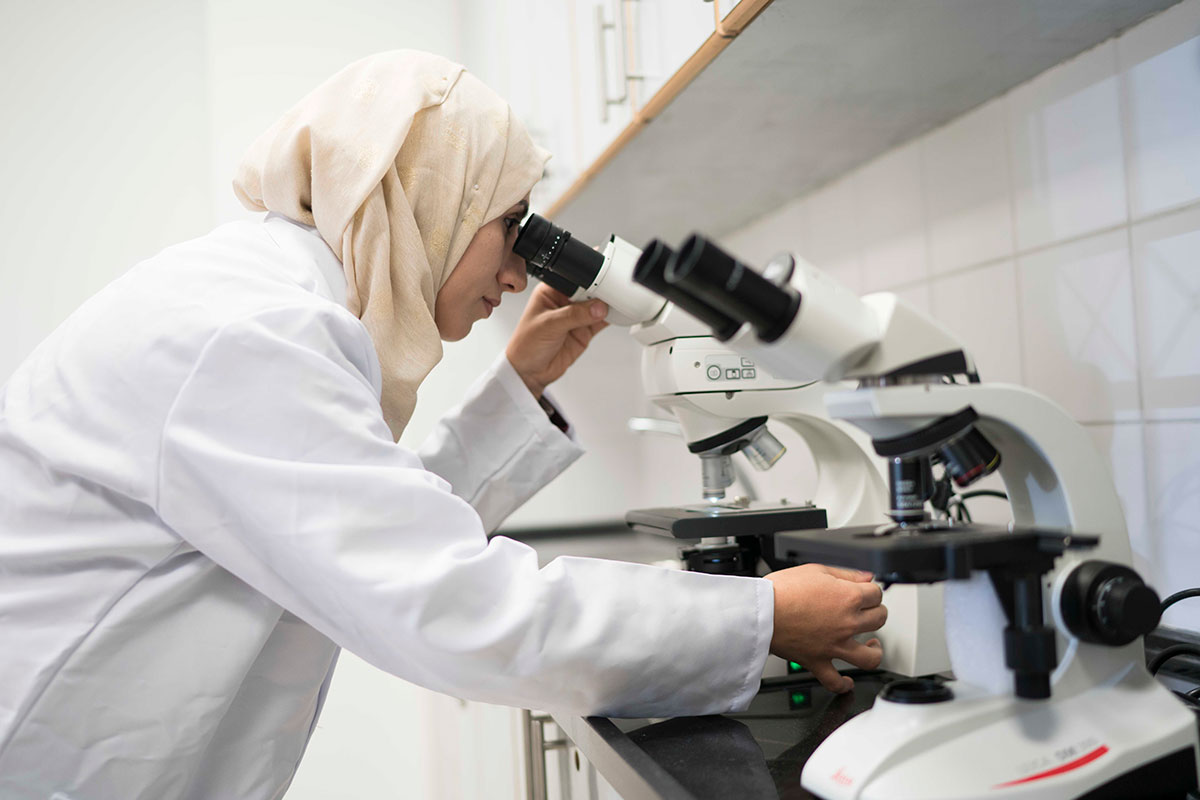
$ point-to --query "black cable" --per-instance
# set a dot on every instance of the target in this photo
(983, 493)
(1171, 652)
(1175, 598)
(1193, 695)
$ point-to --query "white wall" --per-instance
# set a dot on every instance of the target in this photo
(263, 56)
(1057, 230)
(105, 157)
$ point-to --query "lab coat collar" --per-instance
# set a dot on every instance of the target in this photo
(305, 242)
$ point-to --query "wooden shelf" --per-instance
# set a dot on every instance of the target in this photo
(765, 112)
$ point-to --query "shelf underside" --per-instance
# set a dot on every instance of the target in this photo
(812, 89)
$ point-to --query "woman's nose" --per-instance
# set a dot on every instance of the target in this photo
(512, 276)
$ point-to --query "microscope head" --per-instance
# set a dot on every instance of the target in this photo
(802, 325)
(554, 257)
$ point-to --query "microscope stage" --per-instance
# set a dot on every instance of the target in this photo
(930, 552)
(709, 520)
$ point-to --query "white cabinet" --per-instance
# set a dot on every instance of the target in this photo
(603, 102)
(475, 749)
(667, 33)
(524, 50)
(577, 72)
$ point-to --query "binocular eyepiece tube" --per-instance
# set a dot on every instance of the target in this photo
(701, 279)
(717, 289)
(650, 272)
(705, 271)
(554, 257)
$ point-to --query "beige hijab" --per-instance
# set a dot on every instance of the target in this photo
(397, 161)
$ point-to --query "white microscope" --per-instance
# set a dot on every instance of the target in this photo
(1073, 712)
(723, 401)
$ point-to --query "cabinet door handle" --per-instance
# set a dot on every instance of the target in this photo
(602, 66)
(617, 27)
(536, 748)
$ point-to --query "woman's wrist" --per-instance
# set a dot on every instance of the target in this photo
(535, 388)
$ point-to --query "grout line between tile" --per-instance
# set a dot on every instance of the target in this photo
(1012, 231)
(1123, 106)
(1180, 209)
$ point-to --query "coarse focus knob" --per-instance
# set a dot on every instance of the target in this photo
(1127, 608)
(1108, 603)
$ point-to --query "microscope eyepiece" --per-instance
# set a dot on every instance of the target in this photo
(551, 255)
(705, 271)
(648, 271)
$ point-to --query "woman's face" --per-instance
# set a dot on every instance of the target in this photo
(487, 269)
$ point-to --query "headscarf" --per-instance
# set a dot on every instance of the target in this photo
(397, 161)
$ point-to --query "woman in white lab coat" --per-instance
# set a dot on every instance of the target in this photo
(203, 499)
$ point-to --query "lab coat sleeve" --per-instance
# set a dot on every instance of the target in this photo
(276, 464)
(497, 448)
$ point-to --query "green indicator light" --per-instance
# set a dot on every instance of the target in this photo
(799, 697)
(794, 667)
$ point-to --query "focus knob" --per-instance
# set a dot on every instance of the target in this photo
(1108, 603)
(1126, 608)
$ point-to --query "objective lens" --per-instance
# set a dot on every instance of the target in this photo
(969, 457)
(550, 250)
(910, 483)
(705, 271)
(716, 474)
(648, 271)
(763, 449)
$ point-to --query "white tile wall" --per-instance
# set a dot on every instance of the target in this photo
(1173, 475)
(785, 229)
(832, 231)
(965, 167)
(1064, 131)
(1077, 327)
(1160, 76)
(1167, 263)
(1057, 230)
(891, 209)
(980, 305)
(1124, 449)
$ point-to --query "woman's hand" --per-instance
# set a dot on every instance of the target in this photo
(818, 611)
(552, 333)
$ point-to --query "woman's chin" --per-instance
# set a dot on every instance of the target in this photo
(454, 334)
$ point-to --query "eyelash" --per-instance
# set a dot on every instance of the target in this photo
(510, 223)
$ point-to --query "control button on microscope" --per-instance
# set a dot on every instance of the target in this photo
(732, 373)
(714, 372)
(747, 372)
(747, 362)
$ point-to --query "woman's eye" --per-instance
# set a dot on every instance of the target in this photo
(510, 223)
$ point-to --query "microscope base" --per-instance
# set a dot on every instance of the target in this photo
(1129, 739)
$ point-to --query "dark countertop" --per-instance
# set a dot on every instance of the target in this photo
(757, 753)
(609, 541)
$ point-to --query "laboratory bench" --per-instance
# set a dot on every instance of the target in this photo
(757, 753)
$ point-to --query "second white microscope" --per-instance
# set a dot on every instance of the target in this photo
(1051, 698)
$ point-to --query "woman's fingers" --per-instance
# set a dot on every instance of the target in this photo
(575, 315)
(856, 575)
(830, 678)
(872, 619)
(863, 656)
(872, 595)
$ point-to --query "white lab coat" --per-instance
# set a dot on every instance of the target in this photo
(200, 503)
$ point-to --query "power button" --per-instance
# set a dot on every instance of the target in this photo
(714, 372)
